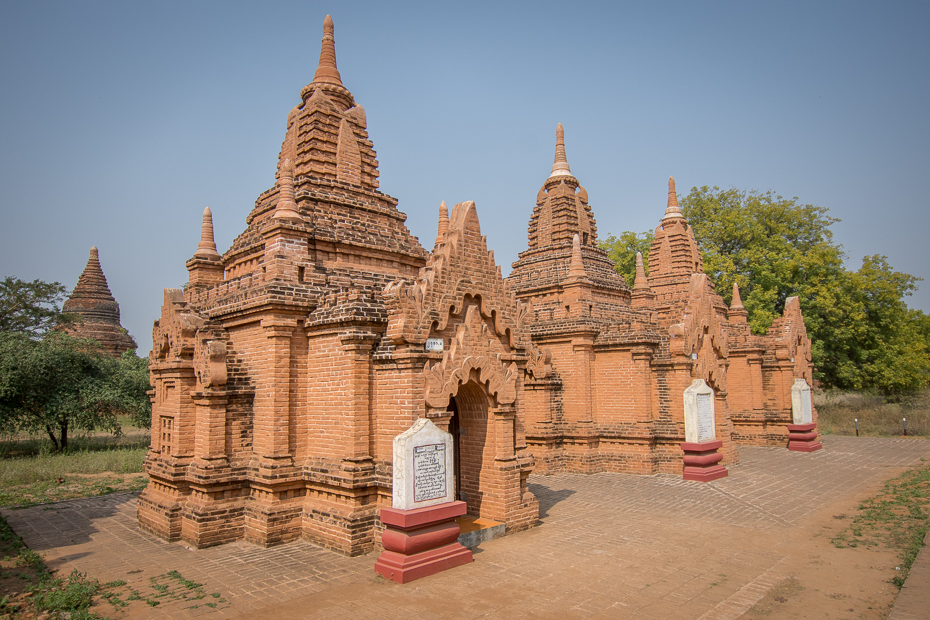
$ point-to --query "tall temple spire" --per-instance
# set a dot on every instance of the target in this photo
(97, 310)
(560, 165)
(327, 71)
(207, 246)
(672, 210)
(443, 223)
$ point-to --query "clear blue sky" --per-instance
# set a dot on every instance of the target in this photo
(121, 121)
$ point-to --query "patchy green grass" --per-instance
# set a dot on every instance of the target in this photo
(878, 416)
(897, 518)
(28, 589)
(69, 487)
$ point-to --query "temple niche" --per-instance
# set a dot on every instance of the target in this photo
(285, 367)
(96, 310)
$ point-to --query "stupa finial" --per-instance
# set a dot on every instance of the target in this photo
(207, 246)
(560, 165)
(327, 71)
(672, 210)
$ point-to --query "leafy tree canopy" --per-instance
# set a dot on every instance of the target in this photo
(60, 384)
(864, 336)
(31, 308)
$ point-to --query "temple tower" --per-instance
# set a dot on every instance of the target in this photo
(97, 310)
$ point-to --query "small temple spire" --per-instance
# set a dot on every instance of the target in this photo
(207, 246)
(560, 165)
(327, 71)
(443, 223)
(672, 210)
(737, 314)
(736, 303)
(287, 205)
(641, 281)
(576, 268)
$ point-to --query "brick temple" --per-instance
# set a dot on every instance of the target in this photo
(285, 367)
(97, 311)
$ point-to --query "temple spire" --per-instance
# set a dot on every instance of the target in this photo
(672, 210)
(560, 165)
(443, 223)
(207, 246)
(641, 282)
(736, 303)
(327, 71)
(737, 314)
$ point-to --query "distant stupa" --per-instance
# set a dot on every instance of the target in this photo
(97, 310)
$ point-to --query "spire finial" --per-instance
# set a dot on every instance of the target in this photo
(443, 223)
(560, 166)
(207, 247)
(576, 269)
(287, 205)
(640, 283)
(94, 255)
(736, 303)
(672, 210)
(327, 71)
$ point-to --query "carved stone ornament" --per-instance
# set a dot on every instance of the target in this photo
(173, 335)
(455, 270)
(210, 361)
(472, 349)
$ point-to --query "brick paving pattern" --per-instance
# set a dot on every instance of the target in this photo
(609, 545)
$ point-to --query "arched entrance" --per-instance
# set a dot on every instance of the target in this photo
(472, 447)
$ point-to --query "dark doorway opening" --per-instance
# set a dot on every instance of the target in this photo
(456, 431)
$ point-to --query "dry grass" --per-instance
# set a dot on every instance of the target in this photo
(878, 417)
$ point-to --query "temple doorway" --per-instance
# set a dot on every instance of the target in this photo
(468, 427)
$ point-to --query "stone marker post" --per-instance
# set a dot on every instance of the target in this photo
(702, 460)
(420, 530)
(802, 435)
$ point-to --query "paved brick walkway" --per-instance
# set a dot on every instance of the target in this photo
(609, 545)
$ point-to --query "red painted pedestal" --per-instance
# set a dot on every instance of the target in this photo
(702, 461)
(803, 438)
(421, 542)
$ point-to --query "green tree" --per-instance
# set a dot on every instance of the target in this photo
(622, 251)
(31, 307)
(863, 334)
(60, 384)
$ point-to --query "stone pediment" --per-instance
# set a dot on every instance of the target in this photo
(702, 336)
(787, 338)
(459, 269)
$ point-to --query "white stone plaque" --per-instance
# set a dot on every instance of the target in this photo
(429, 472)
(700, 421)
(802, 410)
(423, 469)
(434, 344)
(705, 411)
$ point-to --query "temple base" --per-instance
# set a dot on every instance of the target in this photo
(803, 438)
(702, 461)
(421, 542)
